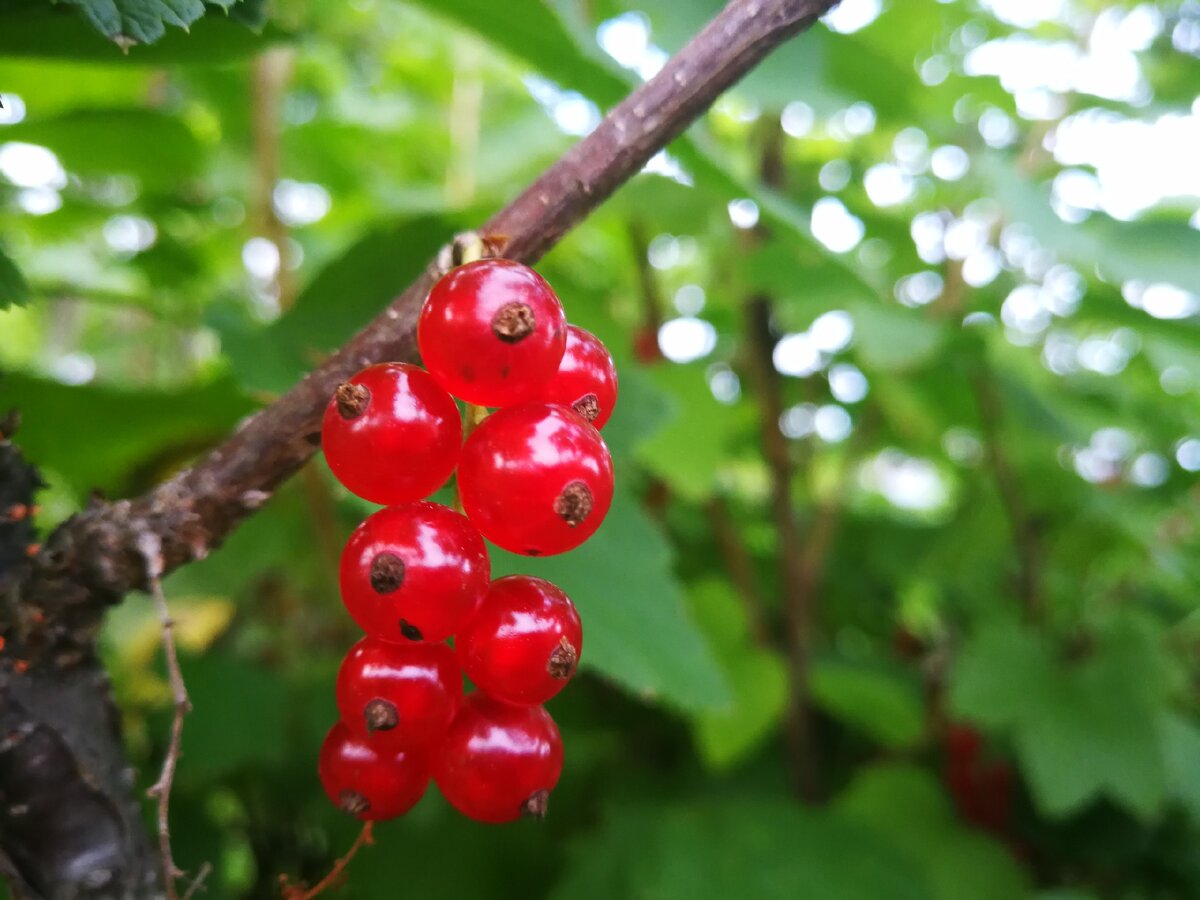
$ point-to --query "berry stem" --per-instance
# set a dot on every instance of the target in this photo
(299, 892)
(472, 416)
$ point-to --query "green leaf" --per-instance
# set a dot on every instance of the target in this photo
(346, 293)
(1081, 730)
(881, 704)
(538, 36)
(637, 630)
(14, 290)
(224, 736)
(1147, 251)
(758, 678)
(999, 669)
(156, 147)
(905, 806)
(694, 443)
(116, 437)
(892, 338)
(1181, 747)
(762, 848)
(52, 32)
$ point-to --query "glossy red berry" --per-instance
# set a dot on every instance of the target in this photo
(522, 645)
(414, 572)
(499, 762)
(400, 696)
(492, 332)
(369, 783)
(536, 479)
(391, 434)
(586, 379)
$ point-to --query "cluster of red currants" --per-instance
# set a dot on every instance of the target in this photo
(535, 478)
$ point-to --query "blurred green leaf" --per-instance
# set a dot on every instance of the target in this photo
(892, 338)
(538, 36)
(14, 291)
(1081, 730)
(348, 292)
(237, 720)
(1181, 748)
(905, 806)
(117, 437)
(881, 704)
(156, 147)
(46, 31)
(1146, 251)
(758, 678)
(690, 449)
(760, 848)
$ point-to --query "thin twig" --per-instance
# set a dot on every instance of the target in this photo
(299, 892)
(151, 549)
(198, 881)
(740, 567)
(795, 581)
(1026, 541)
(269, 76)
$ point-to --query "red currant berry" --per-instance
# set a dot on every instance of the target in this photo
(586, 379)
(499, 762)
(523, 643)
(402, 696)
(492, 332)
(369, 783)
(536, 479)
(414, 572)
(391, 434)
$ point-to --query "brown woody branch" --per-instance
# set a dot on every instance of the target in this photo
(796, 582)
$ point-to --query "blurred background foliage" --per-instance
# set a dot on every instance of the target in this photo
(913, 309)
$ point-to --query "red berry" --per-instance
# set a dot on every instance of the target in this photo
(499, 762)
(414, 572)
(586, 379)
(536, 479)
(391, 434)
(401, 696)
(523, 643)
(492, 332)
(369, 783)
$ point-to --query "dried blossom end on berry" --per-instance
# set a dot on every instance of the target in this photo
(380, 715)
(352, 400)
(563, 660)
(387, 573)
(513, 322)
(574, 504)
(537, 805)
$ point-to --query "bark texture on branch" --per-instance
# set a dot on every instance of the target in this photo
(52, 604)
